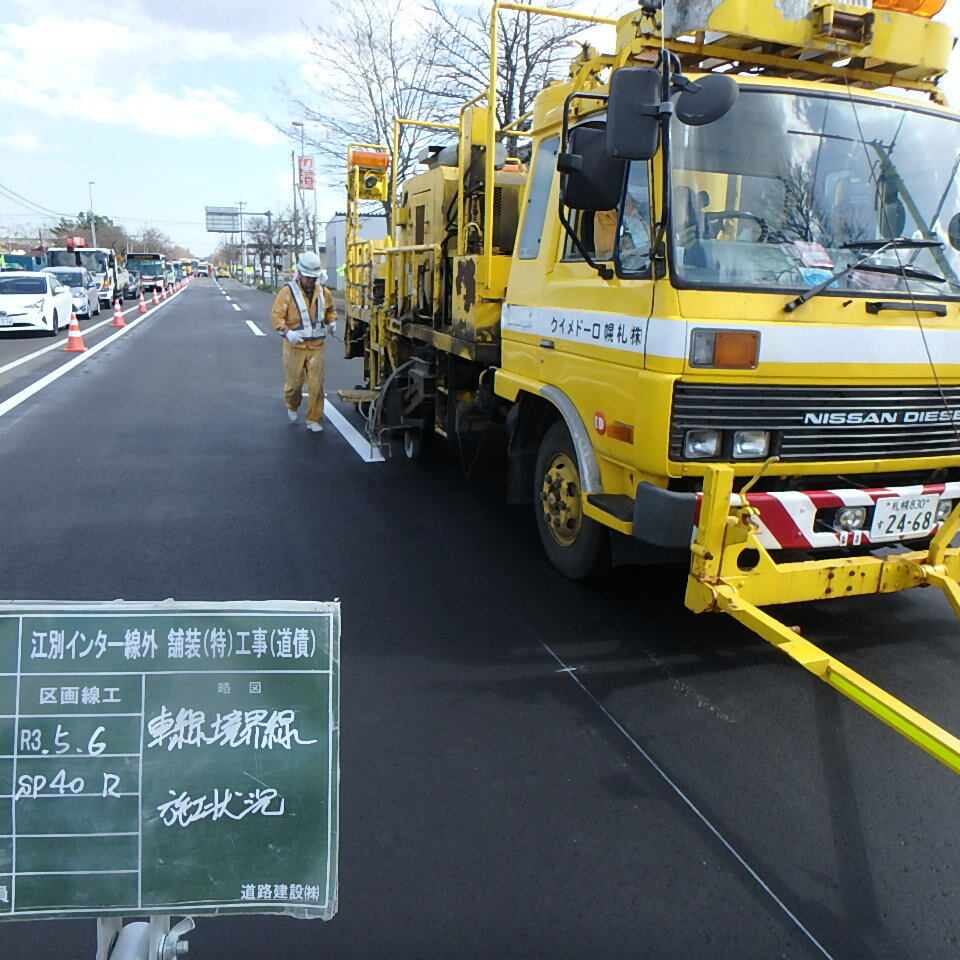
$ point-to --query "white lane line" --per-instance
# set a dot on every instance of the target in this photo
(58, 344)
(254, 328)
(236, 306)
(35, 387)
(691, 806)
(360, 443)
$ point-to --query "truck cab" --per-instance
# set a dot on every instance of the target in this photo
(107, 269)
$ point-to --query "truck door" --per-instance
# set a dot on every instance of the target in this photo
(599, 326)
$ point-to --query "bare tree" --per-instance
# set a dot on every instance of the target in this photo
(376, 65)
(532, 51)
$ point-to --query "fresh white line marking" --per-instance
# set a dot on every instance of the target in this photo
(360, 443)
(35, 387)
(226, 296)
(254, 328)
(58, 344)
(694, 809)
(236, 306)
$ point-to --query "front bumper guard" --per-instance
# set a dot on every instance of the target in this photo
(733, 572)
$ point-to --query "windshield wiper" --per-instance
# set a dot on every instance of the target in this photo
(903, 270)
(898, 243)
(874, 247)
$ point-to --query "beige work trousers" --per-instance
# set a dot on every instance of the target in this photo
(304, 364)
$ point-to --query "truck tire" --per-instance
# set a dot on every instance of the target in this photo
(576, 545)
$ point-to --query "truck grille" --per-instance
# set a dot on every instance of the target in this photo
(824, 423)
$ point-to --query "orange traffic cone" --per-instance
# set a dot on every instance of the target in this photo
(141, 306)
(156, 299)
(75, 342)
(118, 320)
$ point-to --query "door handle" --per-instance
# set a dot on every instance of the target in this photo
(905, 306)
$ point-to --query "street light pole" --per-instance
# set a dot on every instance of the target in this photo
(93, 222)
(243, 249)
(293, 170)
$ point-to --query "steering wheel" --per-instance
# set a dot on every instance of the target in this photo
(738, 215)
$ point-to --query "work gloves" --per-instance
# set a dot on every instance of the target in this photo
(332, 327)
(293, 336)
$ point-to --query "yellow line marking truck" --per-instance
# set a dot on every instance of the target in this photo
(711, 284)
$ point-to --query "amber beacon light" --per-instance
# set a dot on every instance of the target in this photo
(920, 8)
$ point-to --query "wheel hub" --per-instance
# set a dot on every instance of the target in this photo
(560, 500)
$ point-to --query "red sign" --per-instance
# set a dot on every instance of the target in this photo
(600, 423)
(306, 173)
(73, 242)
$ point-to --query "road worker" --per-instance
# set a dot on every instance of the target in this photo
(295, 315)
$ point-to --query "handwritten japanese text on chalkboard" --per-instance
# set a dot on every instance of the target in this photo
(161, 758)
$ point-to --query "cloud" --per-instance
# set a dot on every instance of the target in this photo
(22, 140)
(39, 62)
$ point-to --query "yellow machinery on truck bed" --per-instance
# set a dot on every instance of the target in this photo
(711, 285)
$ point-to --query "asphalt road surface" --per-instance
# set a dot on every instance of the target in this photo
(530, 767)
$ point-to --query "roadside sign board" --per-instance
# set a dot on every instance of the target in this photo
(222, 219)
(169, 757)
(305, 165)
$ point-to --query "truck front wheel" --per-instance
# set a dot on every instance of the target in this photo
(576, 545)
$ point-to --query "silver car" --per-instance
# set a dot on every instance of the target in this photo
(84, 289)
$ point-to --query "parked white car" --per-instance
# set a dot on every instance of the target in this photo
(83, 287)
(34, 301)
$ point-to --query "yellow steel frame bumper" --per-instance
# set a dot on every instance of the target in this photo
(732, 572)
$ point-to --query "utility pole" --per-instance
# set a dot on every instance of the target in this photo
(293, 169)
(273, 252)
(93, 222)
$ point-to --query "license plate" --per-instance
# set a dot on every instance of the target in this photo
(6, 322)
(896, 517)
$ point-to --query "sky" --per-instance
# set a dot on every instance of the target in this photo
(167, 107)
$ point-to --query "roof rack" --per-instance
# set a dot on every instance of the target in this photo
(851, 43)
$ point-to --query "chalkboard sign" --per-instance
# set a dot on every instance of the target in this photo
(168, 758)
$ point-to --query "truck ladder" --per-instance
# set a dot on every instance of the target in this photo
(731, 571)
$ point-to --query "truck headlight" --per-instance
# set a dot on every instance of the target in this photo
(750, 444)
(701, 444)
(850, 518)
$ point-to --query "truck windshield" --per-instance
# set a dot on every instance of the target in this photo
(93, 260)
(778, 193)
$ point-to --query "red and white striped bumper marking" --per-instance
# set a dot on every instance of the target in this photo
(787, 519)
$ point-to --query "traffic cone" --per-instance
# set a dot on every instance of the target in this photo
(156, 299)
(141, 306)
(118, 320)
(75, 342)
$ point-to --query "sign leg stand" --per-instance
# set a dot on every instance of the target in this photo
(142, 940)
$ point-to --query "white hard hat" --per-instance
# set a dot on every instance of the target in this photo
(309, 264)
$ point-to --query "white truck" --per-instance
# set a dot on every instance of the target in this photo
(103, 263)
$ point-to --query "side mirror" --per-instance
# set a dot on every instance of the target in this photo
(592, 179)
(633, 113)
(707, 99)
